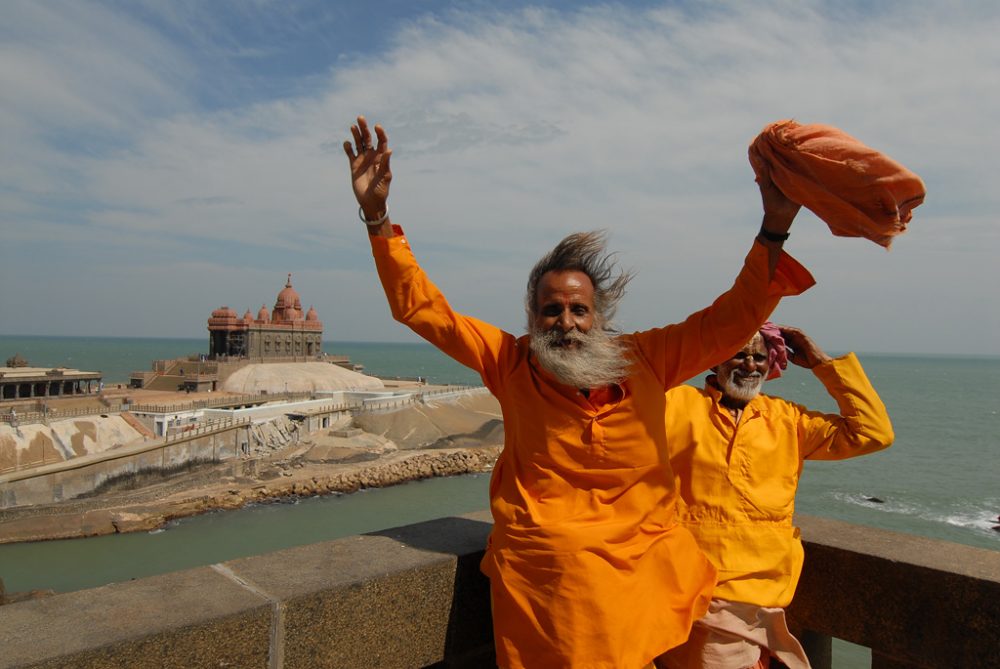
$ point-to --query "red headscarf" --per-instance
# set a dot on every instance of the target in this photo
(777, 353)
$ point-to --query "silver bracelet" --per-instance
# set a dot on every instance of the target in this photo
(379, 221)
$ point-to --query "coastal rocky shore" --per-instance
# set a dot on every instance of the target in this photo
(150, 508)
(463, 435)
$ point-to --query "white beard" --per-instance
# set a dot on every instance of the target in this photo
(598, 360)
(742, 388)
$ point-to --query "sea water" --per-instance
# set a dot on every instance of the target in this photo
(941, 478)
(117, 357)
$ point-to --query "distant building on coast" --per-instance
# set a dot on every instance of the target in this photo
(285, 333)
(22, 382)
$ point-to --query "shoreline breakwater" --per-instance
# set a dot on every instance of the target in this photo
(144, 485)
(152, 508)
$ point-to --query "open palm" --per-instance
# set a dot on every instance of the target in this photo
(370, 173)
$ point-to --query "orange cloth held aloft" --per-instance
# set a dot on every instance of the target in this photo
(857, 191)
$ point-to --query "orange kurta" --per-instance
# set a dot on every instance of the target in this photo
(587, 565)
(736, 482)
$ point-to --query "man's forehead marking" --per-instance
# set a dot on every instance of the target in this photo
(756, 341)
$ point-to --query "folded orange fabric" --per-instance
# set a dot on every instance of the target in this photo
(856, 190)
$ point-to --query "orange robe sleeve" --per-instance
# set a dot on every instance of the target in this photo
(710, 336)
(855, 190)
(417, 303)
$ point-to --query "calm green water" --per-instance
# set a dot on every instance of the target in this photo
(75, 564)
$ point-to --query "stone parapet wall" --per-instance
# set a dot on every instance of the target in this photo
(410, 597)
(916, 602)
(414, 597)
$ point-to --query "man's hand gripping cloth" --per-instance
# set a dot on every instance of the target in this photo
(857, 191)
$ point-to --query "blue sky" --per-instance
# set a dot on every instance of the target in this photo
(162, 159)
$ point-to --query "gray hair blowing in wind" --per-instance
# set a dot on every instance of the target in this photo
(584, 252)
(595, 357)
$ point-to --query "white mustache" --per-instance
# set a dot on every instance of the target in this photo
(556, 336)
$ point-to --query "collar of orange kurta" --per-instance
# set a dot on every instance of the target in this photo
(755, 407)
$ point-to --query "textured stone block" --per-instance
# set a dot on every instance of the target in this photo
(380, 600)
(920, 601)
(184, 620)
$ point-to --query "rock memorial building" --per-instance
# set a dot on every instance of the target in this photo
(285, 333)
(278, 351)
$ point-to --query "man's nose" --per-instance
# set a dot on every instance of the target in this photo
(566, 321)
(749, 364)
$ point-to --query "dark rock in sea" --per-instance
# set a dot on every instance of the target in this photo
(877, 500)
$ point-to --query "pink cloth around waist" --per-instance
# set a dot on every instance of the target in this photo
(854, 189)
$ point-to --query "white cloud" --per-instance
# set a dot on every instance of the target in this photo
(509, 130)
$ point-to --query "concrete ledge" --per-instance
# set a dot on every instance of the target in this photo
(915, 602)
(408, 597)
(414, 597)
(193, 618)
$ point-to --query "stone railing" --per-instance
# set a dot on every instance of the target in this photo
(414, 597)
(29, 417)
(396, 402)
(202, 429)
(50, 414)
(219, 402)
(446, 391)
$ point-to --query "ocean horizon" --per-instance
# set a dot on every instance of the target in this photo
(118, 362)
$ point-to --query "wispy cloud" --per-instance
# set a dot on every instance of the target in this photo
(510, 129)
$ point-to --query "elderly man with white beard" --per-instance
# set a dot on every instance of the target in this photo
(737, 456)
(588, 567)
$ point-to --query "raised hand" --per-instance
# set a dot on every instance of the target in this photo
(802, 350)
(370, 173)
(779, 211)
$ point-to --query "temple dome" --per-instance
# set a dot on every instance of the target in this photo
(288, 306)
(263, 314)
(312, 315)
(288, 297)
(224, 312)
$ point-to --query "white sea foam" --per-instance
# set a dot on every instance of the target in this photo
(978, 515)
(886, 505)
